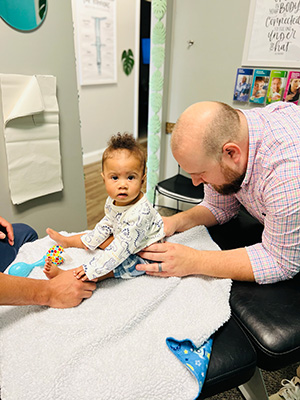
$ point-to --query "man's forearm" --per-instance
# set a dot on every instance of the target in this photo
(197, 215)
(234, 264)
(63, 291)
(23, 291)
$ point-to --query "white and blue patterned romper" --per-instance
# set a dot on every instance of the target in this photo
(133, 227)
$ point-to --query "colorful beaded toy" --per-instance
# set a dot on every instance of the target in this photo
(55, 254)
(24, 269)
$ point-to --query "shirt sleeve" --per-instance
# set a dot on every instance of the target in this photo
(222, 207)
(107, 260)
(278, 256)
(99, 234)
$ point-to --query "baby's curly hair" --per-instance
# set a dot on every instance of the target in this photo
(125, 141)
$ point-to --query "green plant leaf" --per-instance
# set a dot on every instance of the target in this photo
(159, 8)
(154, 124)
(154, 142)
(158, 56)
(159, 33)
(156, 81)
(127, 61)
(155, 101)
(42, 8)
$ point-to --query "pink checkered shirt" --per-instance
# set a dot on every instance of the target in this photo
(270, 191)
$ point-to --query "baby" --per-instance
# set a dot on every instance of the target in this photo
(130, 222)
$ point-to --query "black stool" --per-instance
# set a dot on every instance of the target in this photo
(232, 363)
(268, 314)
(180, 188)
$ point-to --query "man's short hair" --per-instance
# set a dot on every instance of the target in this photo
(223, 128)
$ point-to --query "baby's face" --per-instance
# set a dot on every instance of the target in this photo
(123, 177)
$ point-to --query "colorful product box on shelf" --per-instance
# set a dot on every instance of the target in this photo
(276, 86)
(259, 86)
(242, 84)
(292, 89)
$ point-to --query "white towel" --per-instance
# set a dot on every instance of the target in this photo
(31, 130)
(112, 346)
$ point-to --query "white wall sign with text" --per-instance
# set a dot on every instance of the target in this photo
(273, 34)
(96, 38)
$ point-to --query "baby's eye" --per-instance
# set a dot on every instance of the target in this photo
(114, 178)
(131, 177)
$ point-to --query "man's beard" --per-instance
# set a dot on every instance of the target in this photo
(235, 180)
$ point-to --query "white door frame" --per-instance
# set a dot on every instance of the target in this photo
(136, 69)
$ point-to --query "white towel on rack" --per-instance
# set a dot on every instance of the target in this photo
(30, 123)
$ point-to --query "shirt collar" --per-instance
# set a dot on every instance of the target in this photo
(255, 131)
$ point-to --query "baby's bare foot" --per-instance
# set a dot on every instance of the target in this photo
(58, 238)
(51, 270)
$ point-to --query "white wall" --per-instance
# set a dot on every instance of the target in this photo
(207, 70)
(48, 50)
(108, 109)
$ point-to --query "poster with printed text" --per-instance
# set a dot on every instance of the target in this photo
(273, 34)
(96, 41)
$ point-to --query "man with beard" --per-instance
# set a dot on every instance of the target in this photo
(248, 157)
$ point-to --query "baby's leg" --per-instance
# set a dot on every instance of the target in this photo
(65, 241)
(51, 270)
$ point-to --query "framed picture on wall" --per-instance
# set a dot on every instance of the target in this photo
(273, 34)
(95, 27)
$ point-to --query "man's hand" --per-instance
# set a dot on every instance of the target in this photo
(9, 231)
(66, 291)
(175, 259)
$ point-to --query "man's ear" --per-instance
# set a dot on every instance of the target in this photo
(232, 151)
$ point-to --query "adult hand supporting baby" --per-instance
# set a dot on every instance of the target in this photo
(63, 291)
(173, 258)
(67, 291)
(170, 259)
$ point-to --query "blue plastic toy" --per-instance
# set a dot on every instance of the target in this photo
(23, 269)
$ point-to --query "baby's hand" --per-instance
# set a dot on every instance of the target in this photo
(80, 274)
